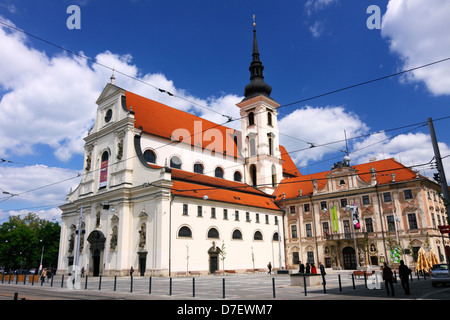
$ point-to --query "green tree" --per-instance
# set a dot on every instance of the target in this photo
(22, 240)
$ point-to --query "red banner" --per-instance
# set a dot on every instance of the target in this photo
(103, 173)
(444, 229)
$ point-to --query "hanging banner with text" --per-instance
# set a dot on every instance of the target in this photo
(334, 219)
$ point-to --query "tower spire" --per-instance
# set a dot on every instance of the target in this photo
(257, 86)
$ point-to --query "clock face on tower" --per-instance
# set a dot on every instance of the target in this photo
(108, 115)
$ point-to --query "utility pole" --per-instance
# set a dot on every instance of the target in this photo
(440, 167)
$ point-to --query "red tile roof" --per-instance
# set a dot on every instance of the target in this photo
(195, 185)
(163, 121)
(384, 168)
(289, 167)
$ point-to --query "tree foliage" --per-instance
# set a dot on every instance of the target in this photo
(22, 242)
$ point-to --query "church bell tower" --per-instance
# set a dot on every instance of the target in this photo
(261, 149)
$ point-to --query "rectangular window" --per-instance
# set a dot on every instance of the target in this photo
(292, 209)
(412, 221)
(369, 224)
(295, 259)
(257, 217)
(306, 207)
(185, 209)
(323, 205)
(308, 230)
(365, 200)
(199, 211)
(276, 220)
(343, 203)
(236, 215)
(387, 197)
(390, 223)
(325, 229)
(213, 213)
(267, 219)
(310, 257)
(408, 194)
(247, 216)
(294, 231)
(347, 230)
(225, 214)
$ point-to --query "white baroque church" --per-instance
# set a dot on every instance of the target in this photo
(167, 192)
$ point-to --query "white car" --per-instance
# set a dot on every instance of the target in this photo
(439, 274)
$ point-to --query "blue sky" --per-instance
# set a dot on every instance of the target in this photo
(201, 50)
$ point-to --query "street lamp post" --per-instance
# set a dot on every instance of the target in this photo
(352, 210)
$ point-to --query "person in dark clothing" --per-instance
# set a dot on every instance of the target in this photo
(302, 268)
(308, 268)
(404, 272)
(388, 278)
(322, 272)
(269, 266)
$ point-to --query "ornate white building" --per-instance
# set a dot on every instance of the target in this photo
(164, 191)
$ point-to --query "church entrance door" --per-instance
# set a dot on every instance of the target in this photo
(213, 254)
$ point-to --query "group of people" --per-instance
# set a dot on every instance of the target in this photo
(388, 277)
(311, 268)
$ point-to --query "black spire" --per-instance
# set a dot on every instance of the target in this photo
(257, 86)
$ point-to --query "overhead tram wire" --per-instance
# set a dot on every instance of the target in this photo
(230, 119)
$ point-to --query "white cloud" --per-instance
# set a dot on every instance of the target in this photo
(418, 32)
(315, 5)
(411, 149)
(319, 125)
(317, 29)
(36, 186)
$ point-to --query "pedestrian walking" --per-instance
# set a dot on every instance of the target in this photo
(313, 269)
(269, 266)
(322, 272)
(43, 274)
(131, 271)
(302, 268)
(82, 272)
(49, 274)
(308, 268)
(388, 279)
(404, 272)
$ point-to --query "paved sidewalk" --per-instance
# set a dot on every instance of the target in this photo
(232, 287)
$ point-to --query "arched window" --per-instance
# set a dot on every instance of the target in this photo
(150, 156)
(253, 174)
(185, 232)
(274, 176)
(275, 236)
(251, 119)
(257, 235)
(175, 162)
(271, 146)
(237, 176)
(269, 118)
(237, 235)
(198, 168)
(213, 233)
(104, 170)
(218, 173)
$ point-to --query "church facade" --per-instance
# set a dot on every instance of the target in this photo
(167, 192)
